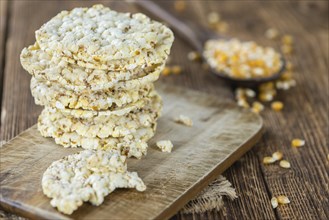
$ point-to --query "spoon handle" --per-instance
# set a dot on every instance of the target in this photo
(184, 29)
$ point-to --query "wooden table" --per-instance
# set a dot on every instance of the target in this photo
(306, 106)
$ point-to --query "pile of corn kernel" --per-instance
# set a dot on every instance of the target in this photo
(267, 92)
(243, 60)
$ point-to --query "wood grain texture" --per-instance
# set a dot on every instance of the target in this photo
(3, 35)
(306, 107)
(221, 133)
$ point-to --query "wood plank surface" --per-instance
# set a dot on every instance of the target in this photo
(306, 106)
(221, 134)
(3, 34)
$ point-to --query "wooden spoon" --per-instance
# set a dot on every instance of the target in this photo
(197, 37)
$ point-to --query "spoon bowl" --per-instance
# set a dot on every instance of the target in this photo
(197, 36)
(251, 82)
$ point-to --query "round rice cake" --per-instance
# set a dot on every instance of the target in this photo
(131, 145)
(80, 113)
(103, 126)
(52, 94)
(87, 176)
(54, 69)
(98, 35)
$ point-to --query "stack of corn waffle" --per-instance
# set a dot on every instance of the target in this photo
(93, 69)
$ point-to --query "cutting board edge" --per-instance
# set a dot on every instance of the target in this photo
(213, 174)
(7, 143)
(25, 211)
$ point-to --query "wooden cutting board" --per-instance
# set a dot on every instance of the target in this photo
(221, 134)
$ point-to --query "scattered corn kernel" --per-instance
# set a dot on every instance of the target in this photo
(278, 155)
(166, 71)
(266, 86)
(240, 93)
(193, 56)
(265, 97)
(284, 164)
(268, 160)
(285, 84)
(272, 33)
(287, 39)
(287, 49)
(250, 93)
(283, 199)
(176, 69)
(257, 107)
(277, 106)
(286, 75)
(180, 5)
(243, 103)
(274, 202)
(242, 59)
(297, 142)
(213, 17)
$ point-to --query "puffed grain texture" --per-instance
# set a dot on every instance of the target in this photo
(51, 94)
(105, 126)
(55, 69)
(132, 145)
(98, 35)
(87, 176)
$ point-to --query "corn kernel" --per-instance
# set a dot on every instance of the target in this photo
(287, 39)
(277, 155)
(193, 56)
(213, 17)
(283, 199)
(166, 71)
(285, 84)
(222, 58)
(179, 5)
(272, 33)
(266, 86)
(265, 97)
(286, 49)
(286, 75)
(240, 93)
(250, 93)
(176, 69)
(257, 107)
(277, 106)
(274, 202)
(284, 164)
(297, 143)
(243, 103)
(268, 160)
